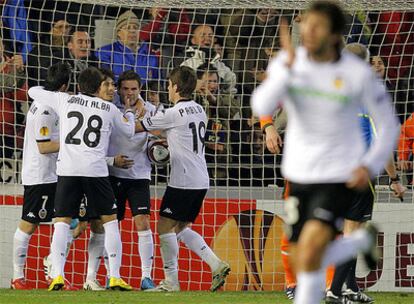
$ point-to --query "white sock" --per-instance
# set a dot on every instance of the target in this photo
(96, 247)
(346, 248)
(113, 246)
(146, 251)
(169, 254)
(198, 245)
(20, 244)
(106, 262)
(69, 241)
(58, 248)
(310, 288)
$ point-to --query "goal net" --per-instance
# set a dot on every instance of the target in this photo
(229, 43)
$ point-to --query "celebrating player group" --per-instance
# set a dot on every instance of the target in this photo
(85, 156)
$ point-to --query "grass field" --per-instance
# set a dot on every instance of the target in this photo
(80, 297)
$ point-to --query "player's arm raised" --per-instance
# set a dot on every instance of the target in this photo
(267, 96)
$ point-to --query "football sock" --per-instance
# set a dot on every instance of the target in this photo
(58, 248)
(146, 251)
(169, 254)
(113, 246)
(20, 244)
(198, 245)
(310, 288)
(96, 247)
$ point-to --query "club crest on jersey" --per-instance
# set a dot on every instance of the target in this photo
(82, 210)
(42, 213)
(44, 131)
(338, 83)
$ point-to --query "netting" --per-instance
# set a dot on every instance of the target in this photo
(241, 218)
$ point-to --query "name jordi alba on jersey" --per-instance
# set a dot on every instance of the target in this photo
(185, 126)
(85, 124)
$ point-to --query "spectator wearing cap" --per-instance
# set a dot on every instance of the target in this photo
(127, 53)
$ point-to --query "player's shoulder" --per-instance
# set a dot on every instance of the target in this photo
(355, 64)
(41, 110)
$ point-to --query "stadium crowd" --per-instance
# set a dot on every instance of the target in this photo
(229, 49)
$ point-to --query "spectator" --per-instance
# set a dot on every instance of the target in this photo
(202, 51)
(47, 51)
(78, 54)
(167, 33)
(126, 53)
(220, 109)
(13, 91)
(249, 32)
(152, 94)
(168, 26)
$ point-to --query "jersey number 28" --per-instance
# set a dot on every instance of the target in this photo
(94, 126)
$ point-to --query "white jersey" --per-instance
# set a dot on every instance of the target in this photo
(85, 126)
(185, 126)
(41, 126)
(324, 141)
(135, 148)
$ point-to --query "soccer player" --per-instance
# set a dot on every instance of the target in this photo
(185, 127)
(86, 123)
(361, 209)
(325, 158)
(134, 183)
(41, 144)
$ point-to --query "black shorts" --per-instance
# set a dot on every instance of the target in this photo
(361, 207)
(71, 189)
(136, 191)
(327, 203)
(38, 203)
(182, 205)
(86, 212)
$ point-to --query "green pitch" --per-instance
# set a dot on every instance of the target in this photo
(108, 297)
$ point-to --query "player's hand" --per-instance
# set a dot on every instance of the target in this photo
(405, 165)
(140, 109)
(123, 162)
(360, 179)
(286, 42)
(398, 189)
(273, 140)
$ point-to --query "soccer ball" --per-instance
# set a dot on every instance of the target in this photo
(158, 153)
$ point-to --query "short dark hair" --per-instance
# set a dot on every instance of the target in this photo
(57, 76)
(73, 30)
(206, 68)
(333, 12)
(90, 80)
(128, 75)
(107, 73)
(186, 80)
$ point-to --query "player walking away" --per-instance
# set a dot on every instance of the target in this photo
(185, 126)
(325, 158)
(360, 211)
(86, 123)
(133, 184)
(39, 171)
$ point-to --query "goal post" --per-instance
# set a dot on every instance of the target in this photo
(242, 217)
